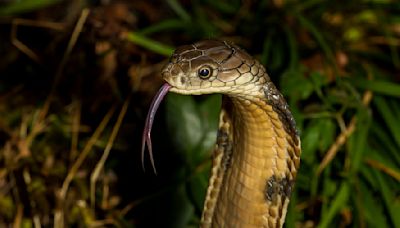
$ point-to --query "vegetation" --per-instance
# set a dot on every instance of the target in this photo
(77, 78)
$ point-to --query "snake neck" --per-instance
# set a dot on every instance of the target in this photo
(257, 170)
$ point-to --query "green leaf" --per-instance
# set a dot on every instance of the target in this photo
(24, 6)
(338, 203)
(389, 198)
(292, 214)
(294, 52)
(383, 141)
(209, 110)
(179, 10)
(150, 44)
(370, 208)
(378, 86)
(183, 121)
(313, 139)
(310, 139)
(356, 142)
(193, 125)
(391, 120)
(197, 186)
(307, 24)
(318, 79)
(182, 210)
(166, 25)
(290, 81)
(267, 45)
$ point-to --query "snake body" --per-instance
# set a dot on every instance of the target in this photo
(257, 153)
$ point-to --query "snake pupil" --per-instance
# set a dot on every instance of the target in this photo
(204, 73)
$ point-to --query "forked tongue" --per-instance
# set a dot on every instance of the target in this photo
(146, 138)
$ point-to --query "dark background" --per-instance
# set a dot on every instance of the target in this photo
(77, 78)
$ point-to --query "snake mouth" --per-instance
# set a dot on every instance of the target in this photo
(146, 137)
(193, 87)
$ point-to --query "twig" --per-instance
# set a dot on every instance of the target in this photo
(85, 152)
(342, 138)
(18, 217)
(76, 122)
(380, 166)
(100, 164)
(67, 53)
(26, 22)
(58, 217)
(59, 213)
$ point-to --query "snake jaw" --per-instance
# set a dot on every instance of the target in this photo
(146, 137)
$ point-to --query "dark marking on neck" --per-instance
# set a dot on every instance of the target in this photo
(278, 187)
(278, 103)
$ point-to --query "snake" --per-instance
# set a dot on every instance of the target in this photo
(257, 151)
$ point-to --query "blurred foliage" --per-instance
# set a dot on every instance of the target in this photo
(73, 101)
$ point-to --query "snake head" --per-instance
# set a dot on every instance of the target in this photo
(213, 66)
(206, 67)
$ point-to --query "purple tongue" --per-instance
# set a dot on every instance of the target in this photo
(146, 138)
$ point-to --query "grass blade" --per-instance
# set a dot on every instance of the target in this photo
(339, 202)
(25, 6)
(150, 44)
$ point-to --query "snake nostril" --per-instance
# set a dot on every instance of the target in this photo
(183, 80)
(175, 71)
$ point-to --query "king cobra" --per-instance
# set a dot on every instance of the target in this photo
(257, 153)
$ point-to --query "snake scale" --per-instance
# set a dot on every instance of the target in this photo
(257, 153)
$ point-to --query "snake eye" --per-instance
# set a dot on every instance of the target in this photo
(205, 72)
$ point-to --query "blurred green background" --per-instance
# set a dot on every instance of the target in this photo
(77, 78)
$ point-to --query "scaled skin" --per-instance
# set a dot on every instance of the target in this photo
(258, 149)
